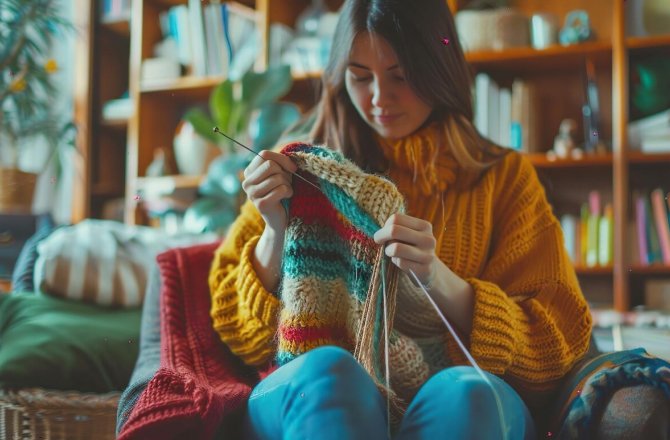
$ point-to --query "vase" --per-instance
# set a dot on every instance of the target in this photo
(16, 190)
(192, 152)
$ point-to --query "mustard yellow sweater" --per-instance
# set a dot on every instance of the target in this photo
(531, 322)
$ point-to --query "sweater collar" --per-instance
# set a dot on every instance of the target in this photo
(425, 156)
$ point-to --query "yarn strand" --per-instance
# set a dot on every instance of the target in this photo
(466, 352)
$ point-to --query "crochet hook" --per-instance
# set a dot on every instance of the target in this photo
(216, 130)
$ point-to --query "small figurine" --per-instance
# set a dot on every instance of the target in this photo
(564, 142)
(576, 29)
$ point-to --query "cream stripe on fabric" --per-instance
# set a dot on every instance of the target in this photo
(106, 255)
(77, 253)
(129, 283)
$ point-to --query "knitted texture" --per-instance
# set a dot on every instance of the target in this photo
(329, 289)
(530, 320)
(200, 387)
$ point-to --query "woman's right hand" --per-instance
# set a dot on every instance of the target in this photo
(267, 181)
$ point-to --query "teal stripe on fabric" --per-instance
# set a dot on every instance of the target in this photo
(350, 209)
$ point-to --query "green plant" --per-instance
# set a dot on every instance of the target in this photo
(246, 110)
(27, 32)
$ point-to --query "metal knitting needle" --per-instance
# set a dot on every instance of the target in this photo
(216, 130)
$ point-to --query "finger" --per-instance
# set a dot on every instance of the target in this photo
(394, 232)
(410, 222)
(271, 199)
(407, 252)
(407, 266)
(284, 161)
(260, 190)
(264, 171)
(253, 165)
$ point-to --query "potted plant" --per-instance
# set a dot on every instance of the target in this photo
(27, 32)
(247, 110)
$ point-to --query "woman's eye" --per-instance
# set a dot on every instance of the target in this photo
(361, 78)
(399, 78)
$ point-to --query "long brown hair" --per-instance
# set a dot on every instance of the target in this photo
(437, 72)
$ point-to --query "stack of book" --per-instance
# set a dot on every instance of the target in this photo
(209, 36)
(650, 134)
(505, 115)
(589, 237)
(651, 228)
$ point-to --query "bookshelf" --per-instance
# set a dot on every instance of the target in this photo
(556, 71)
(102, 74)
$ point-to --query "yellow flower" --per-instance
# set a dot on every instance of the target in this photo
(51, 66)
(18, 85)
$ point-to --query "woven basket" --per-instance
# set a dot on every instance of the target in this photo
(16, 190)
(36, 414)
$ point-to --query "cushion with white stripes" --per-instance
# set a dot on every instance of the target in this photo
(103, 262)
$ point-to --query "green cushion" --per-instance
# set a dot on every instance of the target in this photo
(66, 345)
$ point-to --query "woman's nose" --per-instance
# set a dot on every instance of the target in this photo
(382, 94)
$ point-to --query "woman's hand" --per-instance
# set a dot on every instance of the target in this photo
(267, 182)
(410, 243)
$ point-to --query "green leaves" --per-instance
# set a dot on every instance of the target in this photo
(202, 124)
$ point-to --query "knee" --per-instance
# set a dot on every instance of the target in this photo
(463, 385)
(331, 360)
(635, 412)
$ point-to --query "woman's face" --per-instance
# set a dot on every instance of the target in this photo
(377, 88)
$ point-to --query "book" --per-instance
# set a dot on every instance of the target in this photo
(605, 237)
(482, 81)
(661, 220)
(641, 228)
(592, 229)
(656, 143)
(198, 37)
(654, 125)
(653, 244)
(569, 227)
(505, 117)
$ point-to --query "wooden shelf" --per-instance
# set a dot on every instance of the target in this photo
(654, 269)
(186, 87)
(167, 184)
(119, 25)
(527, 59)
(649, 42)
(638, 157)
(540, 160)
(591, 271)
(114, 124)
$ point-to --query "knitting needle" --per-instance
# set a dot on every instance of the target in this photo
(216, 130)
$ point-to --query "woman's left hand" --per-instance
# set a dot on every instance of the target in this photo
(410, 243)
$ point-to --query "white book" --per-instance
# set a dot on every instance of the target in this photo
(494, 112)
(652, 125)
(656, 144)
(481, 103)
(505, 123)
(216, 64)
(183, 34)
(198, 39)
(569, 226)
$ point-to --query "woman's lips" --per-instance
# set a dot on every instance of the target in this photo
(386, 119)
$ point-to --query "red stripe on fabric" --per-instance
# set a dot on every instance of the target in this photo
(304, 334)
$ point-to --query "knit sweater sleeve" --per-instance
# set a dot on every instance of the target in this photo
(244, 313)
(531, 322)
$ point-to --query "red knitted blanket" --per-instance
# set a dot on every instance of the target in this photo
(201, 388)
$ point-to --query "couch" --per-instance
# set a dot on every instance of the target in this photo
(636, 409)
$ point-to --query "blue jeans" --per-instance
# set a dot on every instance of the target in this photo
(326, 394)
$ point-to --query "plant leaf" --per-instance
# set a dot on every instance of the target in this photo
(260, 88)
(202, 124)
(270, 122)
(221, 104)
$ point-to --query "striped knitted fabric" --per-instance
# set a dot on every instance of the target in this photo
(331, 264)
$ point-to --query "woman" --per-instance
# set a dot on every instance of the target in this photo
(477, 232)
